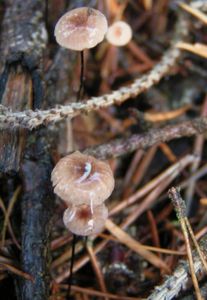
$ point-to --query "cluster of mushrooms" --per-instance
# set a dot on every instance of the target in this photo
(85, 27)
(82, 181)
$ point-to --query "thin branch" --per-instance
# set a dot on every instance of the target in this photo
(177, 281)
(180, 209)
(154, 136)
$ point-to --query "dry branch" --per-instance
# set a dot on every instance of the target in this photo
(180, 208)
(176, 282)
(154, 136)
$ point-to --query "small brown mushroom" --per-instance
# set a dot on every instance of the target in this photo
(119, 33)
(81, 28)
(83, 220)
(82, 179)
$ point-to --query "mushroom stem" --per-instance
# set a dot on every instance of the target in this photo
(81, 85)
(71, 266)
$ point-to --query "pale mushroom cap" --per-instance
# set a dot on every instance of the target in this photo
(82, 179)
(119, 33)
(83, 220)
(81, 28)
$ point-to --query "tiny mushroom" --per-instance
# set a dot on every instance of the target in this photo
(82, 179)
(81, 28)
(119, 33)
(82, 220)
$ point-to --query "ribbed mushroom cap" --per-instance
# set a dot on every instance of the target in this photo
(81, 28)
(82, 179)
(119, 33)
(83, 220)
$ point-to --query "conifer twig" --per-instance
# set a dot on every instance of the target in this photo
(180, 209)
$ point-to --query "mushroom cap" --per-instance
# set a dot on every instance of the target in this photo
(81, 28)
(119, 33)
(82, 179)
(83, 220)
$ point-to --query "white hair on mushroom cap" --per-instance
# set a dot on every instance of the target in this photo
(119, 33)
(82, 179)
(81, 220)
(81, 28)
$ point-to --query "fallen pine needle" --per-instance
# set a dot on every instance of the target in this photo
(180, 209)
(9, 211)
(99, 294)
(96, 268)
(134, 245)
(197, 48)
(151, 248)
(203, 201)
(16, 271)
(195, 12)
(165, 116)
(201, 254)
(147, 4)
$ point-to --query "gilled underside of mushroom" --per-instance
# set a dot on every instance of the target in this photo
(84, 219)
(84, 183)
(82, 179)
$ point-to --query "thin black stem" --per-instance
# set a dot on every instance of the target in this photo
(71, 266)
(81, 86)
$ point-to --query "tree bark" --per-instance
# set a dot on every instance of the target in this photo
(37, 207)
(23, 39)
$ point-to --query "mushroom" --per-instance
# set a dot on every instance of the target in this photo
(82, 179)
(81, 28)
(84, 221)
(119, 33)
